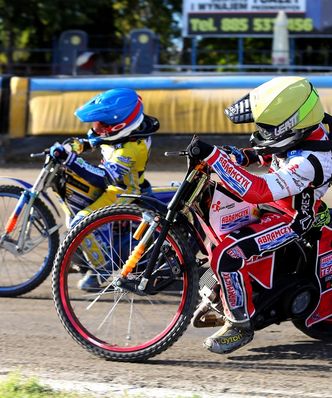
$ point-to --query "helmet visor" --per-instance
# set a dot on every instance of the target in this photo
(105, 130)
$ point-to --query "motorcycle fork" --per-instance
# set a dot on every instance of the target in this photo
(144, 238)
(27, 198)
(170, 217)
(148, 224)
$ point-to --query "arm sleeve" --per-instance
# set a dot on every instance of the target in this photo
(96, 175)
(287, 181)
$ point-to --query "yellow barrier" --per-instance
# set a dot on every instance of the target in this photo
(53, 113)
(18, 107)
(179, 111)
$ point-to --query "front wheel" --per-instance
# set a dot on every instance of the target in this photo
(22, 271)
(113, 322)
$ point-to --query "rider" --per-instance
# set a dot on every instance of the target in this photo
(292, 140)
(123, 133)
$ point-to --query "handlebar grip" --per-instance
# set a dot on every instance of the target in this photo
(37, 155)
(175, 153)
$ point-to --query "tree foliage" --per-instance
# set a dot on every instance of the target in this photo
(39, 23)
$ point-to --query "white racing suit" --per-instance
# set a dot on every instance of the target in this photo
(290, 201)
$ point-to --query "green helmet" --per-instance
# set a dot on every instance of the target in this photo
(285, 110)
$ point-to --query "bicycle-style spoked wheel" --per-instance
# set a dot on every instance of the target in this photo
(113, 322)
(23, 269)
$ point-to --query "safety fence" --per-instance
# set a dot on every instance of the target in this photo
(39, 106)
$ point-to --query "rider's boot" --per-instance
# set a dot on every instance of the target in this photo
(112, 260)
(92, 280)
(230, 337)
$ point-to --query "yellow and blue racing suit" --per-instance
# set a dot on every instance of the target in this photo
(121, 171)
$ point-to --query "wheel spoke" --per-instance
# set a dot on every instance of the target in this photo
(110, 311)
(22, 271)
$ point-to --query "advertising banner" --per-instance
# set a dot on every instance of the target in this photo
(234, 18)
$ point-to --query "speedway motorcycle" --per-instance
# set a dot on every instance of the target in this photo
(148, 300)
(30, 221)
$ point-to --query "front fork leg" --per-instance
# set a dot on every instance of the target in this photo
(26, 199)
(138, 252)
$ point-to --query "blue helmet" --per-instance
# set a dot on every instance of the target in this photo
(115, 113)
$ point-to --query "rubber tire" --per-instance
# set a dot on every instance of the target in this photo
(48, 218)
(173, 334)
(320, 331)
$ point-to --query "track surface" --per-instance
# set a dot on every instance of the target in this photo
(280, 362)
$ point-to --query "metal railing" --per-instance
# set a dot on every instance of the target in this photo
(239, 68)
(110, 61)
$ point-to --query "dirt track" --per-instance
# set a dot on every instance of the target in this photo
(280, 362)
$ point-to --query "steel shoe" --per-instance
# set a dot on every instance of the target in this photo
(208, 315)
(229, 338)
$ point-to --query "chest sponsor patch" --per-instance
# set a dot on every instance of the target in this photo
(89, 167)
(325, 266)
(294, 152)
(116, 170)
(232, 176)
(275, 238)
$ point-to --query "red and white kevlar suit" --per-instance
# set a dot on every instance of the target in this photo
(290, 203)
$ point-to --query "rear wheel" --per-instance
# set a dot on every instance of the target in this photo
(319, 331)
(112, 322)
(21, 272)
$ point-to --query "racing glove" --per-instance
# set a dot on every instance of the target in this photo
(242, 156)
(79, 145)
(198, 149)
(58, 152)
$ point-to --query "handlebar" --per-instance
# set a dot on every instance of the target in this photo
(39, 154)
(176, 153)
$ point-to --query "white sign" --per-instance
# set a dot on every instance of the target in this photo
(248, 6)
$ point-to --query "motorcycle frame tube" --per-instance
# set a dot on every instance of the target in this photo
(148, 202)
(159, 206)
